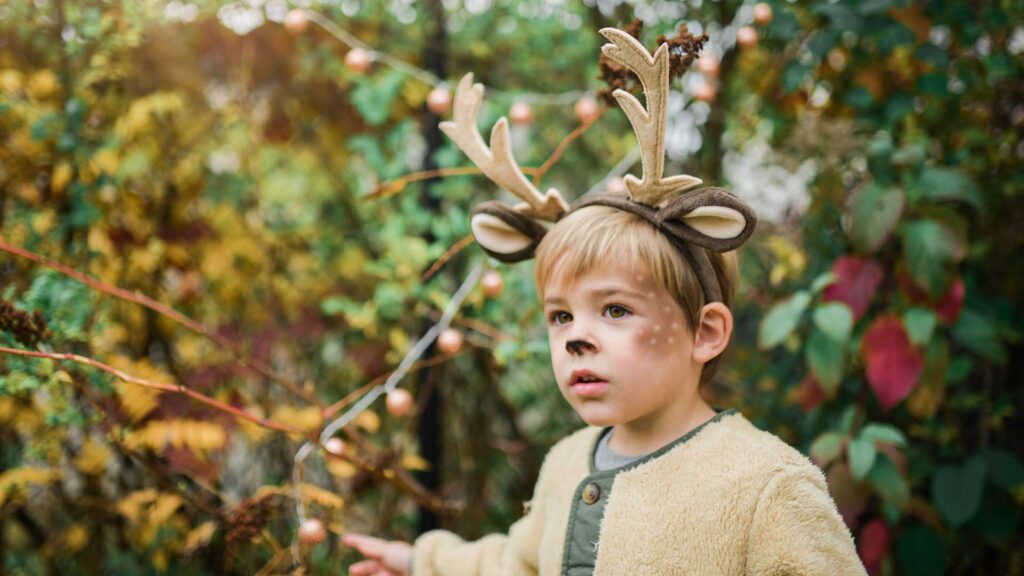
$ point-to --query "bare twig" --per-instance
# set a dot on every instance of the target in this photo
(162, 386)
(563, 146)
(455, 249)
(392, 187)
(163, 310)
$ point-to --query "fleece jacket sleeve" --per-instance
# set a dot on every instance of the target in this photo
(441, 553)
(797, 530)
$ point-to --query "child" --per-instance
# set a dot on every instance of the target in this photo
(636, 293)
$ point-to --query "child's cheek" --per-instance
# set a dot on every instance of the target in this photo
(662, 333)
(659, 334)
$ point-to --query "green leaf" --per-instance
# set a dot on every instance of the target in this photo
(978, 335)
(859, 97)
(835, 320)
(861, 454)
(793, 75)
(826, 448)
(957, 490)
(920, 552)
(823, 280)
(1004, 469)
(920, 324)
(869, 7)
(884, 433)
(886, 479)
(373, 95)
(847, 419)
(932, 54)
(939, 183)
(899, 105)
(825, 360)
(929, 248)
(780, 321)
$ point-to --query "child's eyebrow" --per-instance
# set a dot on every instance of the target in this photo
(601, 293)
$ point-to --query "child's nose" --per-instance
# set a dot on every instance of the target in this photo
(577, 347)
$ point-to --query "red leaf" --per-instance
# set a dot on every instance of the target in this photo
(850, 497)
(808, 394)
(856, 281)
(893, 364)
(948, 308)
(873, 544)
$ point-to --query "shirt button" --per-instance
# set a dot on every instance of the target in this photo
(591, 493)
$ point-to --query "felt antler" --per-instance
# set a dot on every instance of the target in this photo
(508, 233)
(497, 162)
(649, 123)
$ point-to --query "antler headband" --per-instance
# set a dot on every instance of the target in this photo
(693, 220)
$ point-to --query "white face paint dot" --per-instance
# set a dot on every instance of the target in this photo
(675, 325)
(650, 294)
(654, 342)
(671, 340)
(657, 327)
(667, 308)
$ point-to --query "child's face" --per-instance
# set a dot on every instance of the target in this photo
(625, 330)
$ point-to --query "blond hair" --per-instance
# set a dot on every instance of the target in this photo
(594, 235)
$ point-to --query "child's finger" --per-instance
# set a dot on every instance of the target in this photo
(365, 568)
(367, 545)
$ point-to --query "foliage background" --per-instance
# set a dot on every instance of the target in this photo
(225, 174)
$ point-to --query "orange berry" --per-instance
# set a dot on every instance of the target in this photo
(399, 402)
(312, 532)
(450, 341)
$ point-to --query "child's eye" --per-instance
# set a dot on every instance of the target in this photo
(560, 317)
(616, 311)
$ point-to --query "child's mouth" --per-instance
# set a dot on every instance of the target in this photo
(589, 388)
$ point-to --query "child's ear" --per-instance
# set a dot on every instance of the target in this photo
(713, 331)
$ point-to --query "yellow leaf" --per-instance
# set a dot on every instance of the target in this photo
(316, 495)
(200, 536)
(106, 161)
(61, 176)
(13, 481)
(412, 461)
(351, 263)
(306, 419)
(42, 85)
(197, 435)
(92, 458)
(75, 538)
(138, 401)
(10, 81)
(133, 505)
(341, 468)
(398, 339)
(163, 507)
(368, 420)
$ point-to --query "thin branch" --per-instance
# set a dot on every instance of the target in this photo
(564, 145)
(448, 254)
(163, 310)
(351, 397)
(162, 386)
(392, 187)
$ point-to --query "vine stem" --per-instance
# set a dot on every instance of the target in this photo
(162, 386)
(163, 310)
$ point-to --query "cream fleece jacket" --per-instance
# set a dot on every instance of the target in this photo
(729, 499)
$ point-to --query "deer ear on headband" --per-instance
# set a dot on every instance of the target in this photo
(505, 233)
(709, 217)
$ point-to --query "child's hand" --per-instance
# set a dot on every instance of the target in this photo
(384, 558)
